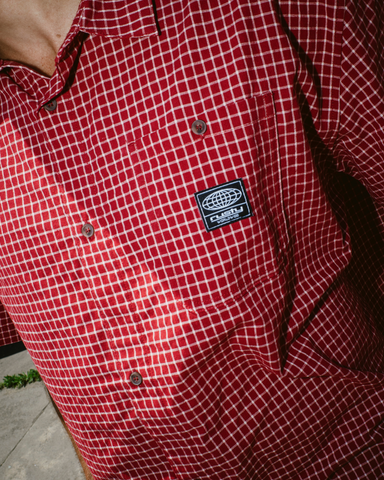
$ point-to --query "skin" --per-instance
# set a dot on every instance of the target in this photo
(32, 31)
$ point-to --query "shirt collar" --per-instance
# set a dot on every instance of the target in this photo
(111, 18)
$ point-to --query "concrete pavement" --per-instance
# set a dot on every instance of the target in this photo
(33, 443)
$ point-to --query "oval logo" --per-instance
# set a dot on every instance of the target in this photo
(221, 199)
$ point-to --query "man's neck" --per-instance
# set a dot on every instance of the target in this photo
(32, 31)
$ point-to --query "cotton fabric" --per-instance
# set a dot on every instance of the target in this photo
(260, 344)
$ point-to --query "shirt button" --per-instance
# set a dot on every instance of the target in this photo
(87, 230)
(199, 127)
(136, 378)
(50, 106)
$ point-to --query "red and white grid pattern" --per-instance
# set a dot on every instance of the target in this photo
(8, 333)
(259, 343)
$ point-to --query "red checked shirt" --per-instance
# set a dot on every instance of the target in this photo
(191, 236)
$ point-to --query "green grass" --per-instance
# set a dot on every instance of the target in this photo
(20, 380)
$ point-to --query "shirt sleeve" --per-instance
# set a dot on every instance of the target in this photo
(8, 333)
(359, 150)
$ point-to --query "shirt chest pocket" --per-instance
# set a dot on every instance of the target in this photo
(199, 268)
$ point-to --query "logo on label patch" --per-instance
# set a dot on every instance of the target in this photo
(221, 199)
(224, 204)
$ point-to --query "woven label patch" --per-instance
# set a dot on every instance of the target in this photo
(222, 205)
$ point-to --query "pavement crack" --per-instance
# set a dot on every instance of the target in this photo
(25, 434)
